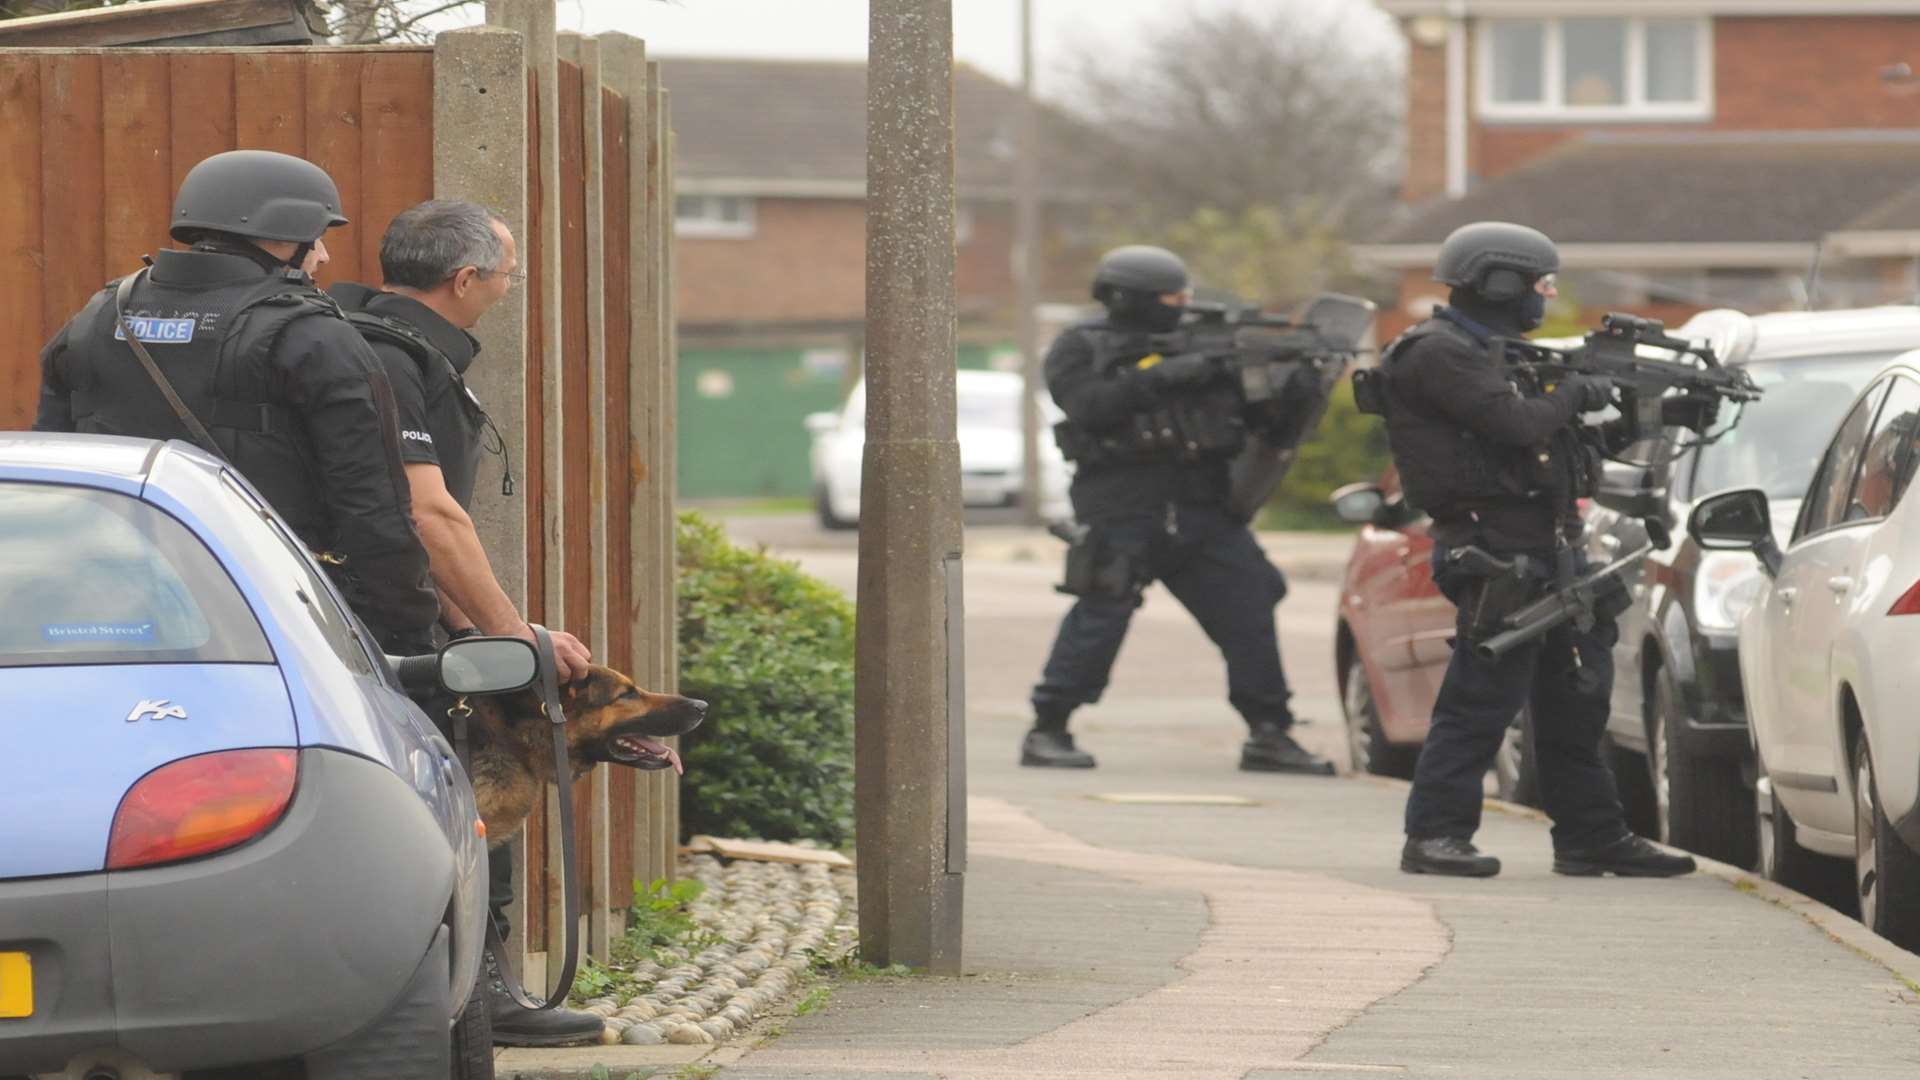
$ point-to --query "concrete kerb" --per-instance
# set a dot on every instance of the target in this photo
(1843, 929)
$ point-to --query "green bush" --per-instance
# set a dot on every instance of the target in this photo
(1349, 445)
(771, 650)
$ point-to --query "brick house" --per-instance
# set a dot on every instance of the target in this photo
(1684, 153)
(770, 278)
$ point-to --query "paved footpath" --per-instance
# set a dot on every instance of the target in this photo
(1110, 939)
(1274, 938)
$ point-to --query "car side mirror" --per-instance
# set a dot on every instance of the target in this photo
(475, 665)
(1628, 490)
(1356, 504)
(822, 422)
(1736, 521)
(1366, 504)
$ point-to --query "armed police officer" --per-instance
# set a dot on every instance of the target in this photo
(1152, 436)
(245, 356)
(1498, 462)
(443, 263)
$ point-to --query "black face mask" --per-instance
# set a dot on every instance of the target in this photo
(1532, 310)
(1144, 311)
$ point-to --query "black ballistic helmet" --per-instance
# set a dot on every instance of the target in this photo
(1498, 260)
(1144, 269)
(257, 194)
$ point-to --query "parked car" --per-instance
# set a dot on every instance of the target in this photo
(1828, 654)
(1678, 726)
(987, 409)
(227, 837)
(1391, 642)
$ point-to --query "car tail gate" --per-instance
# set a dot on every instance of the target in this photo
(80, 738)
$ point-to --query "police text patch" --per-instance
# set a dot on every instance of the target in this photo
(157, 331)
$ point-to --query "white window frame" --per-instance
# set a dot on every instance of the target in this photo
(711, 224)
(1637, 107)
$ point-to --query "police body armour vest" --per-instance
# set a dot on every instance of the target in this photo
(214, 345)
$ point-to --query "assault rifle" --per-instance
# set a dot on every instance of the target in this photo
(1613, 352)
(1575, 602)
(1284, 371)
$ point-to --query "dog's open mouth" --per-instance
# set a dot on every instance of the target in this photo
(639, 753)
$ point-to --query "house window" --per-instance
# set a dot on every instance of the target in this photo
(713, 215)
(1596, 69)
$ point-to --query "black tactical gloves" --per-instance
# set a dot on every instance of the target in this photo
(1590, 393)
(1181, 369)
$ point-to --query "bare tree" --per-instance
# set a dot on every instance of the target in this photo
(359, 22)
(1258, 143)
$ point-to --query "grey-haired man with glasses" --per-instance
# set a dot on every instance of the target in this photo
(443, 264)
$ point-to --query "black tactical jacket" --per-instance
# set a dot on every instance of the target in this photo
(290, 393)
(1472, 449)
(1092, 374)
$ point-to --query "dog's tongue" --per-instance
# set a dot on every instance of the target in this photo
(656, 755)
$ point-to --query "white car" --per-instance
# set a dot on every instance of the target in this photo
(1830, 660)
(987, 408)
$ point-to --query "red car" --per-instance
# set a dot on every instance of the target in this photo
(1392, 641)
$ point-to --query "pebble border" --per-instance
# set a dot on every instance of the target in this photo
(773, 919)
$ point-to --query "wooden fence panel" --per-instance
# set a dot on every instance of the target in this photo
(22, 310)
(535, 486)
(136, 87)
(396, 116)
(269, 102)
(623, 784)
(334, 142)
(73, 180)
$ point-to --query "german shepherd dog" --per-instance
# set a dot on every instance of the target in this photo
(608, 719)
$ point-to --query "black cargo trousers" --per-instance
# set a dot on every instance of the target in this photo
(1211, 563)
(1567, 678)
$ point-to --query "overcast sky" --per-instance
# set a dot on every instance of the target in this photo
(986, 32)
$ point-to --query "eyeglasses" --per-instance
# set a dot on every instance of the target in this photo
(1546, 284)
(515, 276)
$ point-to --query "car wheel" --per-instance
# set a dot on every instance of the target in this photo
(1702, 802)
(1366, 742)
(1632, 776)
(1516, 779)
(472, 1037)
(1886, 872)
(1779, 856)
(823, 507)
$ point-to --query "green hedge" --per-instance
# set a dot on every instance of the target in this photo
(771, 650)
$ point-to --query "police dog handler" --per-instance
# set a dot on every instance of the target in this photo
(1497, 463)
(443, 264)
(1157, 514)
(268, 375)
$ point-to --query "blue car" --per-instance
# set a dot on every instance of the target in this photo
(228, 838)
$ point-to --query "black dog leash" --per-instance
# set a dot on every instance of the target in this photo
(570, 883)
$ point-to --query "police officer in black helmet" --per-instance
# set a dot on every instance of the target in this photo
(1479, 448)
(1157, 518)
(267, 373)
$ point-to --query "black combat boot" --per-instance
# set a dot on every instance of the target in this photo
(1053, 750)
(517, 1026)
(1448, 855)
(1629, 856)
(1270, 749)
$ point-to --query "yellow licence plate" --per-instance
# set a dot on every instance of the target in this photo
(16, 985)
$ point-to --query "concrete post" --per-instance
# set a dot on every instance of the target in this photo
(910, 784)
(1026, 259)
(480, 154)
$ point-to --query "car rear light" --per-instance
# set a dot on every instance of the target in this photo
(1909, 602)
(199, 805)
